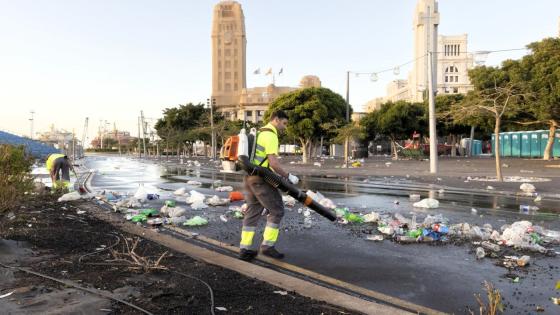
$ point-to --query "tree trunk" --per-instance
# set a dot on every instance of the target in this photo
(550, 143)
(453, 144)
(394, 150)
(321, 148)
(497, 150)
(304, 149)
(346, 147)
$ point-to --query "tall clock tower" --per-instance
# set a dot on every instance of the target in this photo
(228, 55)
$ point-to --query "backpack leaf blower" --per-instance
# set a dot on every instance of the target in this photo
(244, 161)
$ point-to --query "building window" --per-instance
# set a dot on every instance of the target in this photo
(446, 79)
(249, 113)
(227, 75)
(219, 64)
(235, 52)
(235, 86)
(455, 90)
(227, 52)
(228, 87)
(456, 78)
(235, 63)
(228, 63)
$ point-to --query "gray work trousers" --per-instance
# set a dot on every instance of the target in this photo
(61, 165)
(260, 195)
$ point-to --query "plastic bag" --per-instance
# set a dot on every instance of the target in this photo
(527, 188)
(427, 203)
(195, 197)
(196, 221)
(194, 183)
(170, 203)
(217, 201)
(371, 217)
(141, 194)
(173, 211)
(180, 192)
(74, 196)
(224, 188)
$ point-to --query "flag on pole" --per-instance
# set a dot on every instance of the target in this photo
(258, 71)
(281, 70)
(269, 71)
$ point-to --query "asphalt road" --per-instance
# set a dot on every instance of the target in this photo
(441, 277)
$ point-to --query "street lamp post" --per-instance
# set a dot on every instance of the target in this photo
(346, 142)
(213, 136)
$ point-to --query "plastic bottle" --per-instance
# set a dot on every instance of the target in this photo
(406, 239)
(490, 246)
(243, 145)
(480, 253)
(524, 260)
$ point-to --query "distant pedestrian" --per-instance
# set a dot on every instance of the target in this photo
(59, 167)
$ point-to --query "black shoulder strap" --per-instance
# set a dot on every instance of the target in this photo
(256, 138)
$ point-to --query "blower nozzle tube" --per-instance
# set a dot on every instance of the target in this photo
(284, 185)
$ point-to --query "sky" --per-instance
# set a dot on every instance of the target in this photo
(109, 59)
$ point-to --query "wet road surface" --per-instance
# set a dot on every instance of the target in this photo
(440, 277)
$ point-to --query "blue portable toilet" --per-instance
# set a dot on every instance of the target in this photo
(507, 144)
(556, 148)
(535, 144)
(525, 144)
(515, 144)
(501, 144)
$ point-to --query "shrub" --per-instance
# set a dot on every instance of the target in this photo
(15, 175)
(413, 154)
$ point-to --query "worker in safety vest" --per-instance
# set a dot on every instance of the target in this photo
(59, 167)
(261, 195)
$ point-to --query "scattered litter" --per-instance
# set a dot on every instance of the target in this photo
(527, 188)
(6, 295)
(414, 197)
(489, 187)
(221, 308)
(473, 210)
(176, 220)
(194, 183)
(375, 238)
(526, 171)
(371, 217)
(198, 205)
(170, 203)
(74, 196)
(480, 253)
(152, 196)
(155, 221)
(281, 292)
(388, 164)
(196, 221)
(131, 202)
(289, 201)
(139, 218)
(223, 218)
(427, 203)
(195, 196)
(180, 192)
(217, 201)
(527, 209)
(441, 191)
(149, 212)
(505, 165)
(236, 196)
(317, 164)
(538, 198)
(523, 261)
(80, 212)
(173, 211)
(396, 202)
(555, 300)
(224, 189)
(357, 164)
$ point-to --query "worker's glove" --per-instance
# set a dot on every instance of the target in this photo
(293, 179)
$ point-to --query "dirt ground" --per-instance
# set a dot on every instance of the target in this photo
(55, 239)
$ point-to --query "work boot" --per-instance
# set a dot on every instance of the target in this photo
(271, 252)
(247, 254)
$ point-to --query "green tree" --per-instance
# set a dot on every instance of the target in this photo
(395, 121)
(495, 97)
(349, 132)
(541, 71)
(180, 124)
(308, 109)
